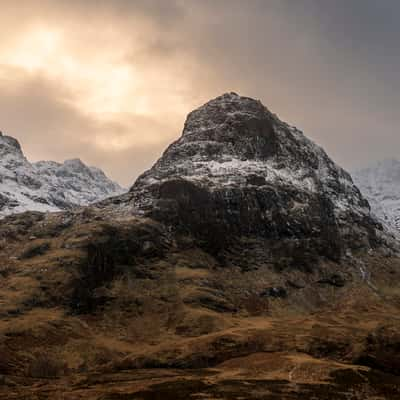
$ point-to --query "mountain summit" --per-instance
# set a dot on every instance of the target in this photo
(47, 185)
(238, 170)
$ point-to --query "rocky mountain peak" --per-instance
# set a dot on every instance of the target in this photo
(238, 170)
(74, 166)
(9, 144)
(75, 163)
(47, 185)
(223, 110)
(232, 125)
(232, 139)
(240, 133)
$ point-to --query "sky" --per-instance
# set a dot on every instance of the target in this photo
(111, 81)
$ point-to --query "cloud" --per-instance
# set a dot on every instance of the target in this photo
(39, 113)
(111, 81)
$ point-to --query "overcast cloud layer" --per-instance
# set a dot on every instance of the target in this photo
(111, 81)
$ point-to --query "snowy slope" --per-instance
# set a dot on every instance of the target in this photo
(47, 185)
(380, 184)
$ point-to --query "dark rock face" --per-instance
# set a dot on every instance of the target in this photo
(333, 280)
(113, 250)
(382, 349)
(239, 171)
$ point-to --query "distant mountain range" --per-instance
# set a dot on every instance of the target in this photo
(380, 185)
(47, 185)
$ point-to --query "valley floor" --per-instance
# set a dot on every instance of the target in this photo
(256, 358)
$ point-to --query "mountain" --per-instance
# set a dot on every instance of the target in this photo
(47, 185)
(237, 170)
(245, 264)
(380, 184)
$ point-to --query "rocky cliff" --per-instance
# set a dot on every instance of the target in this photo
(238, 170)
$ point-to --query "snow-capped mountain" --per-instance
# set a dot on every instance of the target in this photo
(232, 139)
(47, 185)
(380, 184)
(238, 170)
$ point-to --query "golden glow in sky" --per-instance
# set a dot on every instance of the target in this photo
(111, 81)
(91, 71)
(94, 70)
(101, 82)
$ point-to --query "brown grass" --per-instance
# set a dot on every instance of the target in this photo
(46, 366)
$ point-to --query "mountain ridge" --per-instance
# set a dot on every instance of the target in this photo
(47, 185)
(252, 174)
(380, 184)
